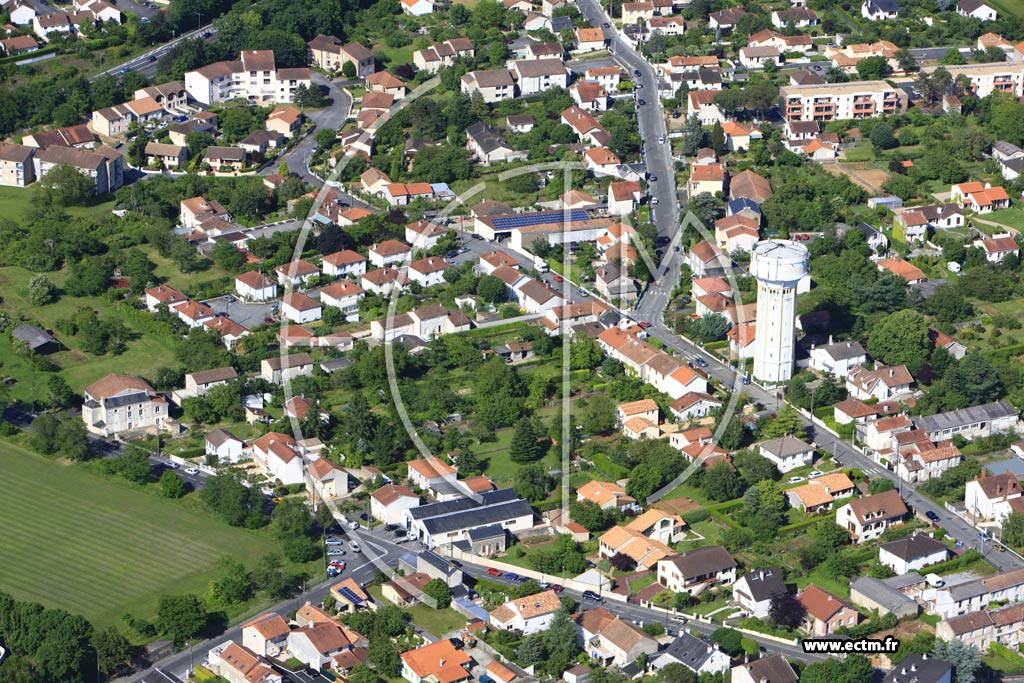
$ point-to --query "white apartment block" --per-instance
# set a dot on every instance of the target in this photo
(828, 101)
(254, 77)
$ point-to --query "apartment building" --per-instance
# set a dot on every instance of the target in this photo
(828, 101)
(985, 79)
(330, 54)
(253, 77)
(16, 169)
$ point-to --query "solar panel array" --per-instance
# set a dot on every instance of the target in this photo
(528, 219)
(350, 595)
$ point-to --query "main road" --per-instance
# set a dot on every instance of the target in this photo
(652, 304)
(146, 63)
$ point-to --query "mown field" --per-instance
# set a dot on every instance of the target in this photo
(94, 546)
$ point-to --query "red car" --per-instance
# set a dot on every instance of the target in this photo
(557, 278)
(493, 572)
(558, 589)
(644, 325)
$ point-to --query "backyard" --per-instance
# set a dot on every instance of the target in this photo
(102, 548)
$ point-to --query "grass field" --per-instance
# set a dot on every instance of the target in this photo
(16, 204)
(1013, 217)
(143, 355)
(100, 548)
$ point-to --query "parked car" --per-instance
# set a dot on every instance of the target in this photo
(591, 595)
(390, 527)
(399, 533)
(511, 576)
(352, 525)
(192, 471)
(795, 480)
(172, 465)
(643, 324)
(332, 542)
(933, 516)
(557, 588)
(815, 474)
(493, 572)
(333, 553)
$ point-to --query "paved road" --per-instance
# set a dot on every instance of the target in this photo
(146, 63)
(332, 117)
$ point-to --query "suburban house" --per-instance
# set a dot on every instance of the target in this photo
(389, 503)
(451, 521)
(299, 308)
(610, 640)
(998, 247)
(238, 664)
(993, 498)
(839, 358)
(825, 612)
(866, 518)
(660, 526)
(266, 635)
(697, 655)
(278, 455)
(882, 383)
(529, 615)
(438, 662)
(606, 495)
(199, 383)
(255, 286)
(786, 452)
(879, 10)
(912, 553)
(697, 570)
(773, 668)
(277, 369)
(225, 446)
(122, 403)
(103, 165)
(755, 589)
(976, 594)
(427, 471)
(976, 9)
(819, 494)
(389, 252)
(645, 552)
(494, 85)
(921, 669)
(344, 263)
(1002, 625)
(344, 295)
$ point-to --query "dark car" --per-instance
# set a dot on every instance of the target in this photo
(364, 516)
(653, 178)
(512, 576)
(399, 533)
(452, 254)
(636, 72)
(152, 58)
(931, 515)
(607, 25)
(591, 595)
(558, 589)
(641, 101)
(390, 527)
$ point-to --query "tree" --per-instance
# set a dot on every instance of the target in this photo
(676, 673)
(786, 421)
(597, 416)
(233, 585)
(965, 659)
(717, 138)
(562, 642)
(977, 381)
(622, 562)
(113, 651)
(63, 185)
(348, 70)
(171, 485)
(439, 592)
(311, 97)
(41, 291)
(180, 617)
(786, 611)
(901, 339)
(227, 256)
(533, 483)
(592, 516)
(1013, 530)
(882, 136)
(873, 68)
(59, 393)
(953, 57)
(721, 483)
(524, 446)
(71, 440)
(325, 138)
(728, 640)
(492, 290)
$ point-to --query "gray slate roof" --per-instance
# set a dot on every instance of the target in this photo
(33, 336)
(965, 416)
(919, 669)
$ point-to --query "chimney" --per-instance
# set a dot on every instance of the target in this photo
(913, 667)
(830, 339)
(441, 665)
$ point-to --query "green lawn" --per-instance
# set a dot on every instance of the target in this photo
(100, 548)
(1015, 7)
(1013, 217)
(16, 203)
(437, 622)
(143, 355)
(499, 465)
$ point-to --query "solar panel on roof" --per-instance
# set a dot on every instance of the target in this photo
(350, 595)
(528, 219)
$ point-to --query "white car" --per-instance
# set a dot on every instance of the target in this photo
(795, 480)
(353, 546)
(353, 525)
(335, 553)
(654, 201)
(191, 470)
(815, 474)
(661, 140)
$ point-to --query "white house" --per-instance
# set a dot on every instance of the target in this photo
(866, 518)
(428, 271)
(976, 9)
(344, 263)
(344, 295)
(255, 286)
(837, 359)
(278, 455)
(389, 252)
(787, 452)
(697, 569)
(755, 589)
(300, 308)
(993, 498)
(389, 503)
(225, 446)
(879, 10)
(912, 553)
(529, 615)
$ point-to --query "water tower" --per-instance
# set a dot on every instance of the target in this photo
(778, 266)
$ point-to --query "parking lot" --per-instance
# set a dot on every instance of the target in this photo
(246, 314)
